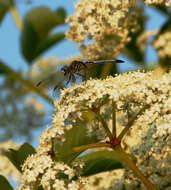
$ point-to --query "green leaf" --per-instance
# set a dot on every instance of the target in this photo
(3, 69)
(61, 14)
(24, 151)
(100, 161)
(4, 7)
(17, 157)
(35, 36)
(132, 50)
(77, 136)
(43, 19)
(29, 41)
(165, 27)
(40, 188)
(4, 184)
(49, 42)
(162, 8)
(164, 61)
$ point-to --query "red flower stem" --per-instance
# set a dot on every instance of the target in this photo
(113, 119)
(131, 122)
(132, 166)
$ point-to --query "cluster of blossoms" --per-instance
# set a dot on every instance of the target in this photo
(152, 154)
(163, 44)
(40, 169)
(105, 180)
(133, 90)
(102, 28)
(142, 39)
(105, 23)
(7, 169)
(167, 3)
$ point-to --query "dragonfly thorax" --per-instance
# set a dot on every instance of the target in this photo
(65, 70)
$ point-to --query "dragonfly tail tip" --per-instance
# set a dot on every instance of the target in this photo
(119, 61)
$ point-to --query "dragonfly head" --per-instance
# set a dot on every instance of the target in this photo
(64, 70)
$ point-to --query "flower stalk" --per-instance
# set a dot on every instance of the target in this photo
(113, 119)
(133, 167)
(26, 82)
(93, 145)
(131, 121)
(16, 17)
(104, 124)
(115, 143)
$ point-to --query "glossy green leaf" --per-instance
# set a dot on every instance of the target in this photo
(100, 161)
(36, 36)
(4, 7)
(43, 19)
(77, 136)
(29, 41)
(49, 42)
(4, 184)
(162, 8)
(132, 50)
(17, 157)
(3, 69)
(165, 27)
(40, 188)
(164, 61)
(61, 14)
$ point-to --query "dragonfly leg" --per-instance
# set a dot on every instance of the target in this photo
(73, 78)
(55, 87)
(85, 75)
(70, 75)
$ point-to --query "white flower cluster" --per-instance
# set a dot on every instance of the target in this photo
(41, 170)
(136, 87)
(153, 127)
(166, 3)
(105, 23)
(163, 45)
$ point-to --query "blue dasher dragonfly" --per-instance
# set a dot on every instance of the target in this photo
(71, 71)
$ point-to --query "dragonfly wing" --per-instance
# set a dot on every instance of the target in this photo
(53, 80)
(91, 63)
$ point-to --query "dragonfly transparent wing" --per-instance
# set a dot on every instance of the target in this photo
(55, 81)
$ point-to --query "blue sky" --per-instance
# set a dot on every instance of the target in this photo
(9, 34)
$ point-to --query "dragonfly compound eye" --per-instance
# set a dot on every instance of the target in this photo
(64, 70)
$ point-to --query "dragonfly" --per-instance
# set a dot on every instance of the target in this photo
(74, 69)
